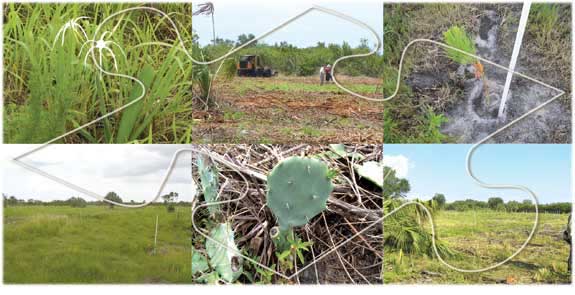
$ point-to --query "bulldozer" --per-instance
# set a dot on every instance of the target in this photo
(251, 66)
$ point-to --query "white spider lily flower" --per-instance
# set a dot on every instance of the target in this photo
(102, 46)
(70, 25)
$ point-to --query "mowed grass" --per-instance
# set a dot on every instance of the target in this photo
(96, 244)
(483, 238)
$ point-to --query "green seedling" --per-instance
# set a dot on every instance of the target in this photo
(456, 37)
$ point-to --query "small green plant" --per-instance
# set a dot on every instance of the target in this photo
(228, 70)
(456, 37)
(310, 131)
(430, 131)
(266, 276)
(298, 189)
(233, 116)
(202, 81)
(544, 19)
(297, 247)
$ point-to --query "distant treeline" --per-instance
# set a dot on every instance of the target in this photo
(77, 202)
(511, 206)
(288, 59)
(397, 188)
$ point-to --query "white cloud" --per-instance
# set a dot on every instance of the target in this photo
(132, 171)
(399, 163)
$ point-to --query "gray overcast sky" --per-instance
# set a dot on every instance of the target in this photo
(234, 18)
(132, 171)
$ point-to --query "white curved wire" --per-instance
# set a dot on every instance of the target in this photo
(422, 40)
(177, 153)
(472, 151)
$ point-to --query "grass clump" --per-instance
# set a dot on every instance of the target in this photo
(48, 89)
(546, 17)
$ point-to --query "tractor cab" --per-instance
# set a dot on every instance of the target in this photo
(252, 66)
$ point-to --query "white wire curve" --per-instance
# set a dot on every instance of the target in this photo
(400, 67)
(472, 151)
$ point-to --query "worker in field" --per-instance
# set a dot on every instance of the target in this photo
(321, 74)
(567, 238)
(328, 73)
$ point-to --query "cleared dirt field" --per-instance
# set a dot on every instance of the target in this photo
(291, 110)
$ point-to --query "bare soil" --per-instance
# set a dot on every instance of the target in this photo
(249, 112)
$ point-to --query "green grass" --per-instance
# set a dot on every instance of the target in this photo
(57, 244)
(310, 131)
(548, 41)
(284, 86)
(48, 91)
(544, 18)
(483, 238)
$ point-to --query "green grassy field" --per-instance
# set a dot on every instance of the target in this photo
(482, 238)
(96, 244)
(288, 86)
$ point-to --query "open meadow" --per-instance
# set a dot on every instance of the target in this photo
(96, 244)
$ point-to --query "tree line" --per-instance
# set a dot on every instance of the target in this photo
(395, 188)
(288, 59)
(498, 204)
(169, 200)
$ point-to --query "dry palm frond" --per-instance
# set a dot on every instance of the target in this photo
(205, 9)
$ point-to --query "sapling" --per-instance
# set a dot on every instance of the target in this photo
(456, 37)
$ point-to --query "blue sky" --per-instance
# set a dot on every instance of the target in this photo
(237, 17)
(430, 169)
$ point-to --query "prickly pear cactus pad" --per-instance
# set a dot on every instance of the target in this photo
(209, 181)
(297, 190)
(224, 255)
(373, 171)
